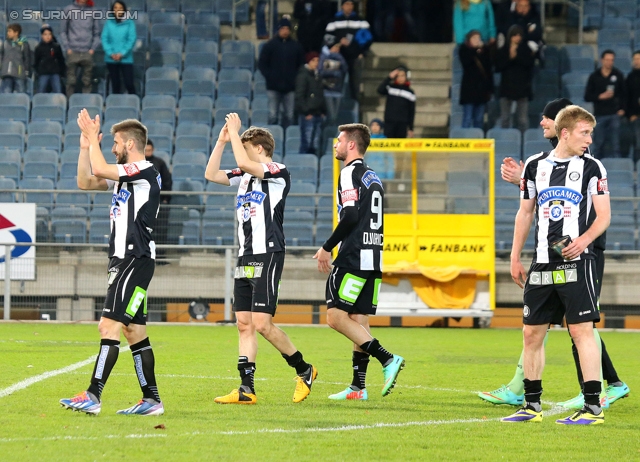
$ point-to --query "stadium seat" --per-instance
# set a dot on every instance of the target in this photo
(303, 168)
(199, 88)
(200, 17)
(260, 117)
(14, 107)
(220, 115)
(189, 200)
(40, 155)
(260, 102)
(466, 183)
(163, 5)
(188, 172)
(201, 60)
(232, 102)
(512, 135)
(12, 141)
(235, 75)
(166, 17)
(203, 33)
(224, 10)
(218, 233)
(195, 116)
(238, 46)
(161, 134)
(301, 198)
(471, 133)
(611, 164)
(199, 73)
(195, 102)
(298, 234)
(120, 113)
(87, 99)
(159, 101)
(235, 88)
(8, 185)
(99, 231)
(237, 60)
(159, 115)
(534, 147)
(192, 143)
(621, 237)
(69, 169)
(75, 198)
(43, 199)
(166, 59)
(40, 170)
(205, 46)
(191, 128)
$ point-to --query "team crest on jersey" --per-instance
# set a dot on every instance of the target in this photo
(131, 169)
(574, 176)
(369, 178)
(246, 212)
(273, 168)
(349, 195)
(559, 193)
(602, 185)
(256, 197)
(114, 212)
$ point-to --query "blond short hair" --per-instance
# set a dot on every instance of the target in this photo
(570, 116)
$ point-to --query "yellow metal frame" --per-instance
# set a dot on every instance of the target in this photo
(431, 240)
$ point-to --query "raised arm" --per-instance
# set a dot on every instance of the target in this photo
(213, 172)
(242, 158)
(91, 129)
(86, 179)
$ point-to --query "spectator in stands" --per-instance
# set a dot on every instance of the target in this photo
(80, 37)
(474, 15)
(353, 34)
(333, 69)
(477, 80)
(376, 126)
(607, 91)
(400, 108)
(118, 39)
(279, 61)
(310, 104)
(515, 61)
(162, 221)
(502, 12)
(49, 62)
(313, 16)
(633, 101)
(16, 61)
(261, 18)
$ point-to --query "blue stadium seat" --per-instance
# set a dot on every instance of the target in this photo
(159, 115)
(40, 155)
(203, 33)
(193, 129)
(260, 88)
(72, 113)
(470, 133)
(166, 17)
(292, 145)
(195, 102)
(238, 46)
(189, 200)
(162, 87)
(192, 143)
(580, 65)
(14, 106)
(161, 101)
(260, 102)
(303, 168)
(12, 127)
(187, 171)
(69, 169)
(298, 234)
(237, 88)
(87, 99)
(293, 131)
(260, 117)
(167, 32)
(43, 199)
(323, 231)
(12, 141)
(195, 116)
(218, 233)
(224, 10)
(99, 231)
(199, 59)
(512, 135)
(199, 88)
(534, 134)
(47, 170)
(163, 5)
(620, 9)
(612, 164)
(45, 113)
(190, 232)
(198, 6)
(466, 183)
(30, 29)
(10, 155)
(8, 185)
(120, 113)
(70, 231)
(166, 59)
(232, 102)
(161, 134)
(159, 72)
(204, 46)
(199, 73)
(10, 170)
(621, 237)
(220, 115)
(301, 198)
(235, 75)
(534, 147)
(237, 60)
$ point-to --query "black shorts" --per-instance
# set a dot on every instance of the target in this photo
(128, 279)
(353, 291)
(554, 289)
(257, 282)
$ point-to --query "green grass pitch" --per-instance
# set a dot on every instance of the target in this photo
(432, 414)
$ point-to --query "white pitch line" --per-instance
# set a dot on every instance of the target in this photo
(46, 375)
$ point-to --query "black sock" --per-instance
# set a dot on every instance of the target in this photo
(105, 361)
(360, 362)
(144, 362)
(609, 372)
(576, 359)
(247, 371)
(532, 394)
(374, 348)
(296, 361)
(592, 389)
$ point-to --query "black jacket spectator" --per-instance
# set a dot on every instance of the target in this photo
(598, 84)
(400, 108)
(354, 30)
(477, 76)
(165, 177)
(310, 93)
(633, 93)
(279, 62)
(530, 23)
(312, 16)
(517, 73)
(48, 59)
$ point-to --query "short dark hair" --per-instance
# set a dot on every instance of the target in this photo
(124, 5)
(637, 52)
(14, 26)
(359, 133)
(607, 52)
(149, 142)
(132, 129)
(259, 136)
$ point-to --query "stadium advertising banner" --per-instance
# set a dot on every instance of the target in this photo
(18, 224)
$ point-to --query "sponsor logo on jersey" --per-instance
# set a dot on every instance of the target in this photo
(369, 178)
(236, 171)
(349, 195)
(122, 197)
(602, 185)
(369, 238)
(548, 278)
(256, 197)
(556, 211)
(273, 168)
(131, 169)
(159, 180)
(114, 213)
(559, 193)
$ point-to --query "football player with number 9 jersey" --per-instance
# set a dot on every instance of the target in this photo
(354, 282)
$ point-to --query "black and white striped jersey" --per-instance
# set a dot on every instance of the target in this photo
(134, 208)
(360, 187)
(563, 190)
(260, 208)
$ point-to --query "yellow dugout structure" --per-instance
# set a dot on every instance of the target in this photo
(439, 238)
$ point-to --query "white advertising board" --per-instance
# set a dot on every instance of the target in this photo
(18, 224)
